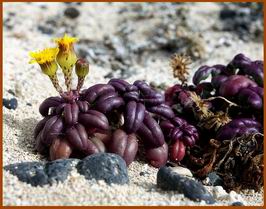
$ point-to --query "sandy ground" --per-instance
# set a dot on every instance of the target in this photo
(31, 87)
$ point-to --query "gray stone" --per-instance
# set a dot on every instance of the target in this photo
(59, 170)
(104, 166)
(71, 12)
(30, 172)
(214, 179)
(167, 179)
(11, 104)
(237, 204)
(39, 173)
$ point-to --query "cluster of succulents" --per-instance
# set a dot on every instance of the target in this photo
(235, 89)
(227, 111)
(214, 125)
(116, 117)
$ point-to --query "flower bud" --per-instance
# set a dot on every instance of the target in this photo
(82, 68)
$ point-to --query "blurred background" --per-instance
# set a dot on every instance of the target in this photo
(129, 40)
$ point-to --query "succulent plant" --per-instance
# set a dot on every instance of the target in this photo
(241, 81)
(116, 117)
(227, 116)
(239, 127)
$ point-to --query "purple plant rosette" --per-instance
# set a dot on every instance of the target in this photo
(90, 122)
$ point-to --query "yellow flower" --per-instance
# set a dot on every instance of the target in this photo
(66, 57)
(46, 60)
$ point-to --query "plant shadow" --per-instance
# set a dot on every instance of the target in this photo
(25, 128)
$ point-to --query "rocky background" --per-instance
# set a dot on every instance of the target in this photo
(126, 40)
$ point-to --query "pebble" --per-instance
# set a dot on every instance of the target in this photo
(11, 104)
(10, 91)
(214, 179)
(104, 166)
(71, 12)
(39, 174)
(30, 172)
(46, 29)
(167, 179)
(237, 204)
(227, 13)
(59, 170)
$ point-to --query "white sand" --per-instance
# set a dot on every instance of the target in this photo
(32, 87)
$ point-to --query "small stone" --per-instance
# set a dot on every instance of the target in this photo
(30, 172)
(237, 204)
(167, 179)
(46, 29)
(11, 104)
(214, 179)
(10, 91)
(59, 170)
(227, 13)
(104, 166)
(109, 75)
(39, 174)
(72, 12)
(142, 173)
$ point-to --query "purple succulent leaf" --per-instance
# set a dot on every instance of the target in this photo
(94, 120)
(234, 84)
(248, 67)
(124, 145)
(52, 129)
(92, 93)
(83, 106)
(179, 129)
(258, 90)
(60, 108)
(77, 136)
(40, 146)
(131, 96)
(94, 145)
(217, 81)
(162, 110)
(109, 104)
(40, 125)
(104, 97)
(238, 127)
(119, 85)
(157, 156)
(249, 98)
(134, 115)
(71, 112)
(150, 132)
(204, 72)
(49, 103)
